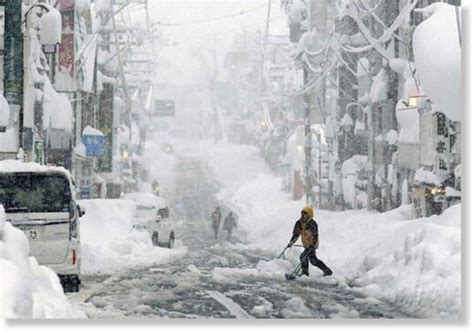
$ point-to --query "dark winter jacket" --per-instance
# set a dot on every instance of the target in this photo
(216, 217)
(307, 230)
(229, 222)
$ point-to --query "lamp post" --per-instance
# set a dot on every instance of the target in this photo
(48, 31)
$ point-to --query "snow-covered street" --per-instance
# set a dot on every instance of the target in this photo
(219, 279)
(260, 159)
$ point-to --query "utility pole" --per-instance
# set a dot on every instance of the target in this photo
(213, 89)
(318, 21)
(128, 101)
(13, 62)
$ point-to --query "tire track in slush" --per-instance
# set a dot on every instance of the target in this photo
(186, 288)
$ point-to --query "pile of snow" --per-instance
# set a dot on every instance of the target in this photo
(28, 290)
(415, 263)
(110, 244)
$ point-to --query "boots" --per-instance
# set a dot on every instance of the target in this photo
(327, 272)
(304, 270)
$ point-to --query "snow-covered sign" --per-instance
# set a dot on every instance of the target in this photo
(437, 51)
(94, 141)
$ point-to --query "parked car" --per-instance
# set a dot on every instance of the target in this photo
(152, 215)
(40, 200)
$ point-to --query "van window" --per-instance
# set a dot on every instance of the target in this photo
(34, 192)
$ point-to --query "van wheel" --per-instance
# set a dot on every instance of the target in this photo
(70, 283)
(75, 283)
(171, 241)
(154, 238)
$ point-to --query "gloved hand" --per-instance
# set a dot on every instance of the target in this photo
(290, 244)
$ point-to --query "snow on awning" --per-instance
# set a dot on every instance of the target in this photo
(428, 177)
(437, 51)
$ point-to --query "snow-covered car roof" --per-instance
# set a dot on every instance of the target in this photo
(147, 199)
(14, 166)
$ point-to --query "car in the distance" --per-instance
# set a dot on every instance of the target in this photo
(152, 215)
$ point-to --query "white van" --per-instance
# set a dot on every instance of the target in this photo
(40, 200)
(152, 214)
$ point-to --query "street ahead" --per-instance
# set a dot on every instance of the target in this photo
(191, 286)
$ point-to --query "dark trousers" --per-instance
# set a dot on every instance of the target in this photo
(215, 227)
(309, 254)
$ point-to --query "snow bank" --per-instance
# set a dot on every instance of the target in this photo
(109, 243)
(413, 263)
(28, 290)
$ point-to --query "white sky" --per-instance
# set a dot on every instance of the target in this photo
(184, 41)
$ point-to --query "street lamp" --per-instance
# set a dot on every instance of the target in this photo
(50, 25)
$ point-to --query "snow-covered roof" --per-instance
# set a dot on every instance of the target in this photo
(437, 51)
(10, 166)
(147, 199)
(428, 177)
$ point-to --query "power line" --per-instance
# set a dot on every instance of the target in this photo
(198, 37)
(242, 12)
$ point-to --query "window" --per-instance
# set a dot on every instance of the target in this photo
(28, 192)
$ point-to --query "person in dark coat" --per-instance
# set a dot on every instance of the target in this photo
(229, 224)
(307, 228)
(216, 220)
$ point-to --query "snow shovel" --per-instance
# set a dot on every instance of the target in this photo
(282, 254)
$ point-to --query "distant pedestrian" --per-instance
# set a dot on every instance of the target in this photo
(216, 220)
(307, 228)
(229, 224)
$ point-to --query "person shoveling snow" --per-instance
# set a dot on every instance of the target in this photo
(307, 228)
